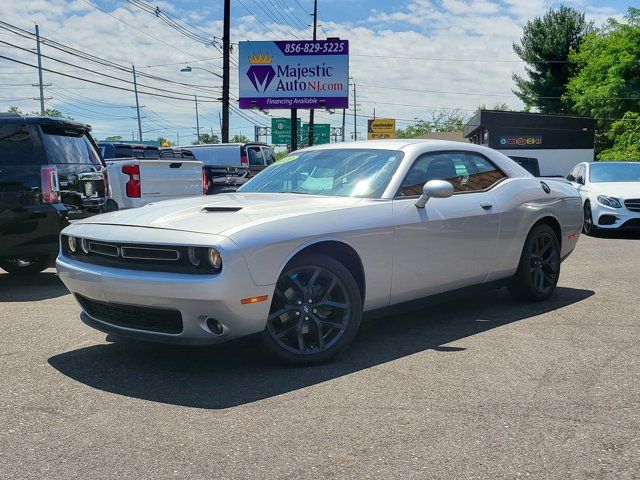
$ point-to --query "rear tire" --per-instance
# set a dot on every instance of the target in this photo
(25, 265)
(315, 312)
(539, 267)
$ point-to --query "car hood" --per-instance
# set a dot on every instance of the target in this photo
(617, 189)
(222, 213)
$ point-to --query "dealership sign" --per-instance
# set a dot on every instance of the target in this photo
(521, 140)
(381, 128)
(294, 74)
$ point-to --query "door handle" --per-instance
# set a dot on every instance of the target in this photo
(486, 205)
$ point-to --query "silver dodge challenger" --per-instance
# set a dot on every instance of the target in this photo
(319, 237)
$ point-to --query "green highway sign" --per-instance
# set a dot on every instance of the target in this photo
(281, 131)
(321, 133)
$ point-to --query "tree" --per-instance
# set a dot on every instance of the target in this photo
(625, 137)
(113, 138)
(498, 107)
(444, 120)
(546, 46)
(206, 138)
(163, 142)
(14, 109)
(239, 139)
(606, 84)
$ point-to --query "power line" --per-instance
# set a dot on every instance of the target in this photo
(258, 20)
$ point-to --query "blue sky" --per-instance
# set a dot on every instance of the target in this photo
(409, 58)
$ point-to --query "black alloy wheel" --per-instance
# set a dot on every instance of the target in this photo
(539, 268)
(315, 311)
(25, 265)
(588, 227)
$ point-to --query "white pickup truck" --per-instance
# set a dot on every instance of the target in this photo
(134, 182)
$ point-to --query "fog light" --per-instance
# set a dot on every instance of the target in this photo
(215, 326)
(71, 241)
(84, 245)
(193, 256)
(214, 258)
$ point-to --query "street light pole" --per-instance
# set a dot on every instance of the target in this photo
(197, 120)
(226, 47)
(311, 112)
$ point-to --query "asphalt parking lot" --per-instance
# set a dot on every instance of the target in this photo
(478, 387)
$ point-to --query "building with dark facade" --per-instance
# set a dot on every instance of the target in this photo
(549, 145)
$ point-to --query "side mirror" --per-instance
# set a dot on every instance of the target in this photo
(580, 179)
(435, 189)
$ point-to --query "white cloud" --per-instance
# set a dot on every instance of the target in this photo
(481, 31)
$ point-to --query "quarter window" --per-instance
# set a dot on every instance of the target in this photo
(467, 172)
(16, 146)
(255, 156)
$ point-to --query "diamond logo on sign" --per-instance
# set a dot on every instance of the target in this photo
(260, 72)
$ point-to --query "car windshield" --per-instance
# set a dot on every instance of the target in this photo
(614, 172)
(337, 172)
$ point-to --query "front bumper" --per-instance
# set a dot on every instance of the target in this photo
(196, 297)
(608, 218)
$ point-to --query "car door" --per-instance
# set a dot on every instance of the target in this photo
(451, 243)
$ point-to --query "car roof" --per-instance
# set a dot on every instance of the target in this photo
(132, 145)
(16, 118)
(392, 144)
(208, 145)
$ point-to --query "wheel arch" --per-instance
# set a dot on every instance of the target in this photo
(338, 250)
(553, 223)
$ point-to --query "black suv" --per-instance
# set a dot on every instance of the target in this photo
(128, 150)
(50, 173)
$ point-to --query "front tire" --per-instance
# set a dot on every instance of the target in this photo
(539, 267)
(588, 227)
(25, 265)
(315, 312)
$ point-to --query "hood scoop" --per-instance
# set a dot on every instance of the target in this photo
(213, 208)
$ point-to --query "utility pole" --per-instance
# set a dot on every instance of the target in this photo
(294, 129)
(311, 112)
(40, 71)
(226, 47)
(135, 88)
(197, 120)
(344, 117)
(355, 114)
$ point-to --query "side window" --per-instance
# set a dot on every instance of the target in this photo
(580, 173)
(268, 155)
(255, 156)
(572, 174)
(467, 172)
(16, 145)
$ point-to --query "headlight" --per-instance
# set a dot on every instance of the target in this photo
(193, 256)
(609, 201)
(214, 258)
(72, 243)
(84, 245)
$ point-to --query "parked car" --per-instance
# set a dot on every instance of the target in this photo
(135, 182)
(304, 248)
(50, 172)
(610, 194)
(229, 165)
(128, 150)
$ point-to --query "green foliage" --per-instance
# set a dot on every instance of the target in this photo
(607, 83)
(49, 112)
(625, 137)
(162, 140)
(546, 46)
(113, 138)
(281, 154)
(239, 139)
(441, 121)
(498, 107)
(206, 138)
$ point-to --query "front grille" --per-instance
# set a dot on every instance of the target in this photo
(153, 258)
(633, 204)
(133, 316)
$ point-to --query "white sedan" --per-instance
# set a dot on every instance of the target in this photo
(610, 194)
(316, 239)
